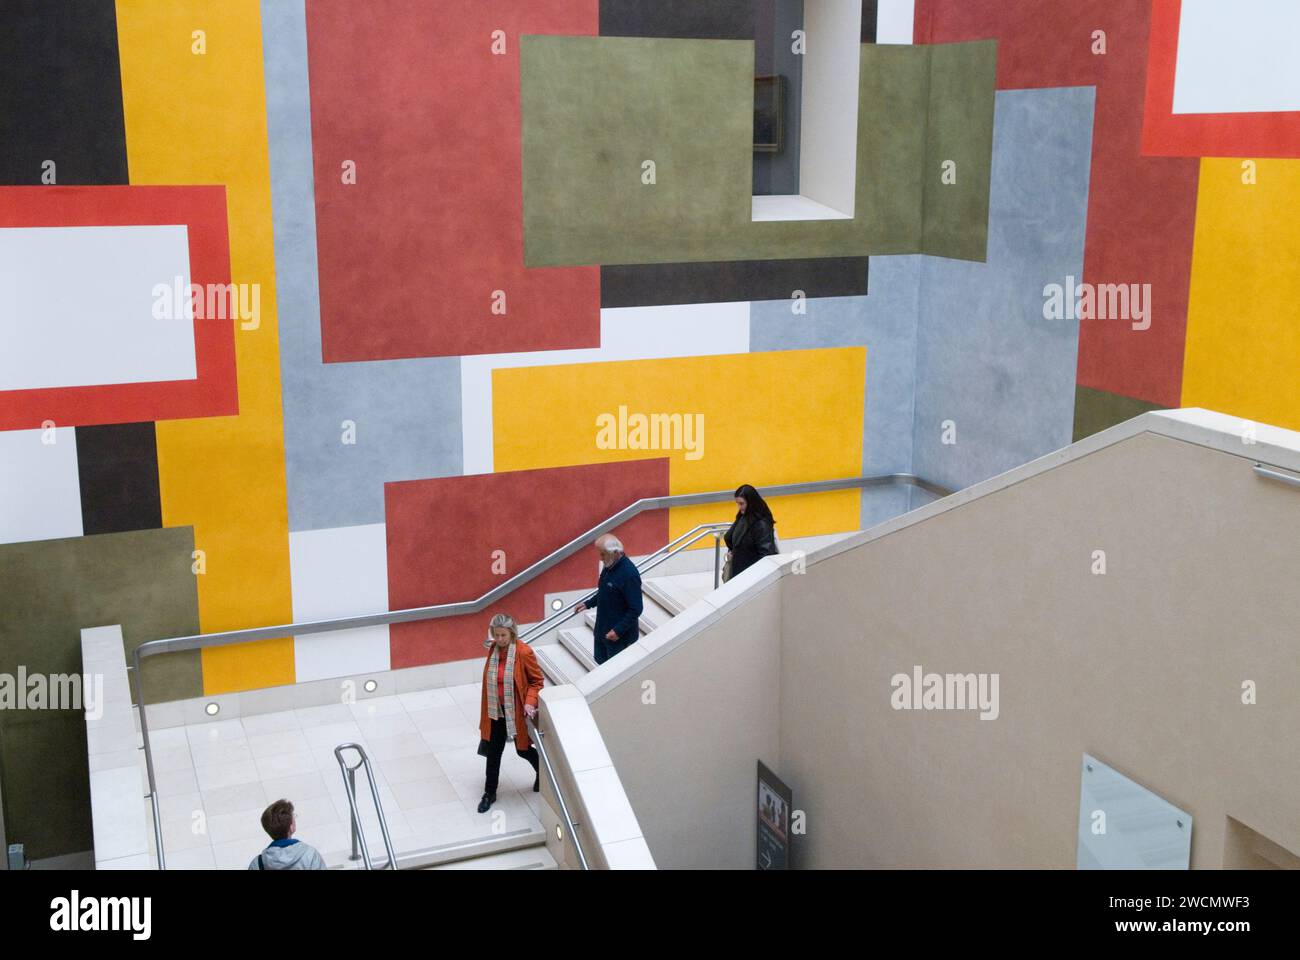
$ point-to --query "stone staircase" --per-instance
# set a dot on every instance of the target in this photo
(569, 656)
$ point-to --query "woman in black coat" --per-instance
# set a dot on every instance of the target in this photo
(753, 534)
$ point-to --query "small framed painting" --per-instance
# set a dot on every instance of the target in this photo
(769, 114)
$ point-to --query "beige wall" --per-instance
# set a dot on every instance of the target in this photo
(688, 761)
(1141, 667)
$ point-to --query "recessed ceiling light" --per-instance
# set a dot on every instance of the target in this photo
(557, 603)
(371, 686)
(212, 709)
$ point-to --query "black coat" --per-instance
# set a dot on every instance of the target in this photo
(749, 545)
(618, 602)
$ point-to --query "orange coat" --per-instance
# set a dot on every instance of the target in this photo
(528, 684)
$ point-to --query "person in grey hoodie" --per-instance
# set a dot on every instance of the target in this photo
(285, 853)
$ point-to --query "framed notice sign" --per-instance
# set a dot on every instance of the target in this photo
(773, 796)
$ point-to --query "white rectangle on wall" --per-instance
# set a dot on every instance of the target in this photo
(336, 573)
(77, 306)
(40, 490)
(828, 124)
(894, 21)
(1238, 57)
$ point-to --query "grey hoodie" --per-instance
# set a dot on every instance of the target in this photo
(294, 856)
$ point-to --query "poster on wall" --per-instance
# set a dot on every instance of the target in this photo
(773, 850)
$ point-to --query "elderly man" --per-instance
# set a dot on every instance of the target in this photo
(617, 600)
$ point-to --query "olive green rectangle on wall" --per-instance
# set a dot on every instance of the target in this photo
(959, 150)
(51, 590)
(1098, 410)
(46, 782)
(596, 109)
(140, 579)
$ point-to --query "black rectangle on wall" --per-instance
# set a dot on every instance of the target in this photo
(659, 284)
(60, 93)
(117, 466)
(683, 19)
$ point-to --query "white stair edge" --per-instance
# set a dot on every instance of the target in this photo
(672, 599)
(535, 857)
(445, 853)
(559, 664)
(571, 638)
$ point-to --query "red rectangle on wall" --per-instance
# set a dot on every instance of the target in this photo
(213, 391)
(421, 100)
(452, 539)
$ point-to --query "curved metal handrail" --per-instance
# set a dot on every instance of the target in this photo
(350, 787)
(572, 827)
(203, 640)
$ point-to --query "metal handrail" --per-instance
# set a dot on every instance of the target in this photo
(536, 736)
(350, 785)
(700, 531)
(203, 640)
(1277, 475)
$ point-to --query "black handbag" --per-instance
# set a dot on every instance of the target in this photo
(482, 748)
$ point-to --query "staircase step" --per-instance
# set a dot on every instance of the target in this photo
(525, 858)
(559, 664)
(580, 642)
(671, 596)
(652, 613)
(428, 858)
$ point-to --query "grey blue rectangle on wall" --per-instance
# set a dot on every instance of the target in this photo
(405, 413)
(993, 376)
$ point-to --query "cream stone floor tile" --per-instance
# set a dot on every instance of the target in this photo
(423, 700)
(386, 725)
(259, 724)
(171, 758)
(226, 827)
(423, 793)
(200, 858)
(217, 752)
(215, 731)
(286, 765)
(272, 744)
(408, 769)
(402, 745)
(318, 716)
(374, 707)
(332, 734)
(219, 775)
(303, 786)
(234, 798)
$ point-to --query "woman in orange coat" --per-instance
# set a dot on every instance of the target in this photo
(511, 666)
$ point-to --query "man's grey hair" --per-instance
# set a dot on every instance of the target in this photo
(611, 543)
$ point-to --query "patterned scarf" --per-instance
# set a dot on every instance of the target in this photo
(493, 701)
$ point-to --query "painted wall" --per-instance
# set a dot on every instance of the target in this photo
(404, 338)
(1142, 668)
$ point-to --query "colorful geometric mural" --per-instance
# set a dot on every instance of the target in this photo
(460, 277)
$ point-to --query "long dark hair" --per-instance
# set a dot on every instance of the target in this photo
(756, 507)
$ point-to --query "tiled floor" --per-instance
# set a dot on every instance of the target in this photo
(215, 779)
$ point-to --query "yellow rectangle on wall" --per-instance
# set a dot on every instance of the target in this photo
(1243, 316)
(195, 111)
(759, 418)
